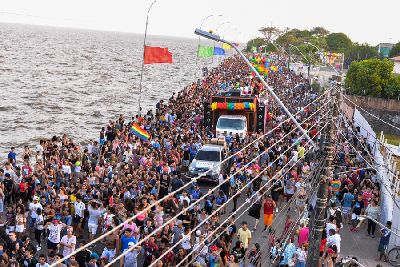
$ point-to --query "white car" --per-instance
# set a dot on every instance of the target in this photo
(232, 124)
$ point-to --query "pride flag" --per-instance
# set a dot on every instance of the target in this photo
(226, 46)
(139, 132)
(205, 51)
(218, 51)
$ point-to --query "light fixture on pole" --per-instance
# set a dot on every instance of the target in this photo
(144, 48)
(270, 90)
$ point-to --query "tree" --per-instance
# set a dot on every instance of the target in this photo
(393, 88)
(269, 48)
(395, 50)
(294, 37)
(319, 31)
(358, 52)
(256, 42)
(270, 33)
(373, 77)
(338, 42)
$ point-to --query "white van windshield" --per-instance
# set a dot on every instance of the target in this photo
(234, 124)
(208, 155)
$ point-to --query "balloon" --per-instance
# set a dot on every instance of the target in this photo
(214, 106)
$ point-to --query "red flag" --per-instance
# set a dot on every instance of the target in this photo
(157, 55)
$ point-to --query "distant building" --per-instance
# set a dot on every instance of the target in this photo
(396, 61)
(384, 49)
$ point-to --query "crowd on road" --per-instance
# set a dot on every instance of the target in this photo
(63, 195)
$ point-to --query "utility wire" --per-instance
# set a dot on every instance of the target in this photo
(186, 185)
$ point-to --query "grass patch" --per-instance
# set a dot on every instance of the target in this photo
(391, 138)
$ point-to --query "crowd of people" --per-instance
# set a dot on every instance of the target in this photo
(64, 195)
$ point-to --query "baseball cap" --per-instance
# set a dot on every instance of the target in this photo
(214, 248)
(131, 244)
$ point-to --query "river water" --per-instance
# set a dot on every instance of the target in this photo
(56, 80)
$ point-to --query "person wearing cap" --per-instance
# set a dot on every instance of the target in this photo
(39, 226)
(130, 259)
(214, 258)
(33, 207)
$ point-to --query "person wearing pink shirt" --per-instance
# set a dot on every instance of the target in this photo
(303, 235)
(366, 196)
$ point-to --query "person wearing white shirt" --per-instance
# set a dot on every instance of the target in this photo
(39, 226)
(128, 155)
(66, 169)
(53, 241)
(68, 241)
(33, 207)
(79, 215)
(186, 238)
(334, 239)
(93, 221)
(90, 147)
(183, 197)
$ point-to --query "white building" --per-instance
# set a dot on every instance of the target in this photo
(396, 61)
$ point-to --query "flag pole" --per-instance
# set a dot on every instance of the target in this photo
(144, 48)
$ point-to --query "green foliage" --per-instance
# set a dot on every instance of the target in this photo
(373, 77)
(338, 42)
(319, 31)
(358, 52)
(393, 88)
(395, 50)
(256, 42)
(269, 48)
(294, 37)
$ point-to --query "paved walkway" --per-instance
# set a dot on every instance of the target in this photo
(360, 245)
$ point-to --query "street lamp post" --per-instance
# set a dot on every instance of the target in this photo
(198, 41)
(144, 48)
(270, 90)
(308, 62)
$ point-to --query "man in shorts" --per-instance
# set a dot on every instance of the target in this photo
(78, 219)
(53, 241)
(111, 243)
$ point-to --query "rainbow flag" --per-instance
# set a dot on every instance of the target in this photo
(139, 132)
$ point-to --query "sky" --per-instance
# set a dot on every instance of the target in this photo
(363, 21)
